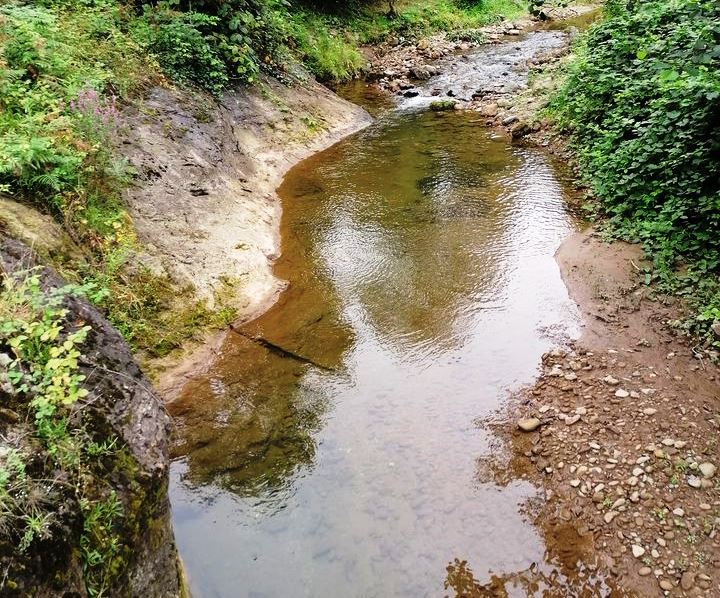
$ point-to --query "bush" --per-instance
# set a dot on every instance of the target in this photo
(185, 47)
(642, 101)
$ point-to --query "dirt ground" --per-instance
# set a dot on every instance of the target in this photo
(624, 441)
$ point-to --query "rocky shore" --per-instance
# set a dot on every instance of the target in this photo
(621, 431)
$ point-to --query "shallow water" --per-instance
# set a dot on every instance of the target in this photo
(489, 70)
(332, 450)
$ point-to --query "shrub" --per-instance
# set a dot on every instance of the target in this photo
(642, 101)
(186, 48)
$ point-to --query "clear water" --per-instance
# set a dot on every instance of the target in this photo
(336, 454)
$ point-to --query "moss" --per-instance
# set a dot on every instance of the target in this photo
(442, 105)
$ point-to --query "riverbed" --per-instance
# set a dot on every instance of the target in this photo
(333, 447)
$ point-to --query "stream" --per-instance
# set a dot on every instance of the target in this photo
(334, 447)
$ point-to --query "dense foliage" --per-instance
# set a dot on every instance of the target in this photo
(643, 103)
(64, 70)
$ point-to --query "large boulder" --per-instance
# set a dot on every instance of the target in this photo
(106, 518)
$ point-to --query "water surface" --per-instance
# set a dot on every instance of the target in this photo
(332, 450)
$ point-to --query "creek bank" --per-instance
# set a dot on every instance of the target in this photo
(626, 448)
(204, 206)
(136, 549)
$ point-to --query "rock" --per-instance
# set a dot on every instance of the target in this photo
(611, 381)
(678, 512)
(694, 481)
(529, 424)
(508, 120)
(609, 516)
(687, 581)
(569, 421)
(489, 109)
(411, 93)
(666, 585)
(575, 483)
(621, 393)
(649, 411)
(125, 408)
(644, 571)
(522, 129)
(420, 72)
(716, 328)
(707, 470)
(637, 551)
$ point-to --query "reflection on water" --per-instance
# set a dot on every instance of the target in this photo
(331, 450)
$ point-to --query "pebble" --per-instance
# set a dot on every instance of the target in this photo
(708, 470)
(529, 424)
(569, 421)
(637, 551)
(644, 571)
(666, 585)
(609, 516)
(694, 482)
(649, 411)
(621, 393)
(611, 381)
(678, 512)
(687, 581)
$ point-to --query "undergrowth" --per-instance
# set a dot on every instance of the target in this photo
(642, 104)
(328, 43)
(66, 68)
(60, 460)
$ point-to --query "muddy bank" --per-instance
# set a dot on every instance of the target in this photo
(625, 445)
(204, 205)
